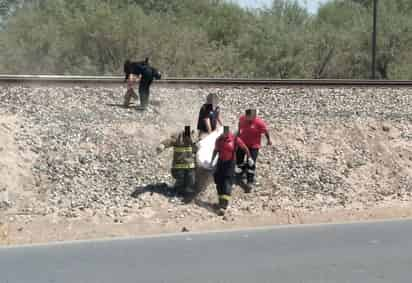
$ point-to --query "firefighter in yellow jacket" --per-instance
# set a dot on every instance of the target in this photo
(183, 165)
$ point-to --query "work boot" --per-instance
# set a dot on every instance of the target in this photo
(222, 206)
(221, 212)
(223, 203)
(249, 187)
(189, 197)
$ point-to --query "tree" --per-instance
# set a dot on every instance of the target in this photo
(205, 38)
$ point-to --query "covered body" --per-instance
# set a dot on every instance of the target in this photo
(205, 150)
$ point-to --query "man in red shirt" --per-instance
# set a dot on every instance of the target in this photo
(226, 146)
(251, 129)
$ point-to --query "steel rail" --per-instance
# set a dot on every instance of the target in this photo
(118, 80)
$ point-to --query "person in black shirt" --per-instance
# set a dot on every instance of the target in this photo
(134, 67)
(145, 74)
(209, 116)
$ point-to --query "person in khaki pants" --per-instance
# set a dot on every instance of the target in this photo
(132, 80)
(143, 73)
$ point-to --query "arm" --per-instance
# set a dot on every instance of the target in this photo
(167, 143)
(215, 152)
(170, 141)
(195, 147)
(208, 125)
(242, 145)
(238, 129)
(204, 119)
(265, 131)
(268, 137)
(126, 70)
(219, 119)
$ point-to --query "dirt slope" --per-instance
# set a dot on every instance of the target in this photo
(17, 187)
(75, 165)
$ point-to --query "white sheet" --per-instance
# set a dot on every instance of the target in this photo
(205, 149)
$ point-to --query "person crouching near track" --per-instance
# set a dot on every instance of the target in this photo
(251, 128)
(226, 146)
(143, 73)
(132, 71)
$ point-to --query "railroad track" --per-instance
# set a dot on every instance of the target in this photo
(118, 80)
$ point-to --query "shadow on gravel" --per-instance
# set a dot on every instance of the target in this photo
(159, 188)
(120, 105)
(211, 207)
(170, 192)
(239, 181)
(155, 102)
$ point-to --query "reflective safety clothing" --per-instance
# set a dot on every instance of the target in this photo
(184, 150)
(183, 164)
(183, 157)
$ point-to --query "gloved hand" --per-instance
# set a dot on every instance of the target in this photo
(250, 162)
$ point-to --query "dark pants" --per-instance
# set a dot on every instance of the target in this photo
(250, 171)
(185, 181)
(224, 179)
(144, 93)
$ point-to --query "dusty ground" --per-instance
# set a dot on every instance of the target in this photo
(74, 165)
(43, 229)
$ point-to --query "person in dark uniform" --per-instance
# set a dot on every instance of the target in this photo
(183, 164)
(208, 121)
(225, 147)
(133, 67)
(209, 116)
(145, 74)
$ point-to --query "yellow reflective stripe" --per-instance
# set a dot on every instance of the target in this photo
(225, 197)
(184, 166)
(183, 149)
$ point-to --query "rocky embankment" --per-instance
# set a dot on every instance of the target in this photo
(345, 148)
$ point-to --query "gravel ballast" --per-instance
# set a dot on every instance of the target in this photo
(333, 148)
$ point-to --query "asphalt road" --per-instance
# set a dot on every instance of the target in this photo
(367, 252)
